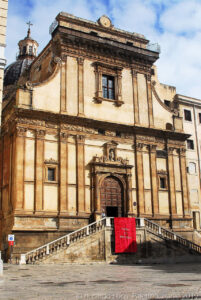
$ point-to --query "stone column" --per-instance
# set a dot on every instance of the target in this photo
(80, 174)
(140, 179)
(97, 204)
(184, 185)
(80, 62)
(135, 97)
(39, 170)
(172, 192)
(150, 104)
(129, 193)
(63, 153)
(63, 86)
(154, 185)
(19, 168)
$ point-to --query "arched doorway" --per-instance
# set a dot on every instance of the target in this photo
(111, 197)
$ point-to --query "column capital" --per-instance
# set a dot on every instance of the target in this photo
(40, 133)
(21, 131)
(170, 150)
(148, 77)
(80, 139)
(182, 151)
(63, 136)
(152, 148)
(139, 146)
(80, 60)
(134, 72)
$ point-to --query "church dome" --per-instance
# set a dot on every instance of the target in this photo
(27, 53)
(13, 71)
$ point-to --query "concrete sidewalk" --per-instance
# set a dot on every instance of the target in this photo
(101, 281)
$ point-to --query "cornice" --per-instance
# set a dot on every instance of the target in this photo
(63, 121)
(95, 25)
(94, 44)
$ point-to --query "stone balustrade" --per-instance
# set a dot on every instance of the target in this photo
(64, 241)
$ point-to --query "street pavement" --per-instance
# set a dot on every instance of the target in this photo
(101, 281)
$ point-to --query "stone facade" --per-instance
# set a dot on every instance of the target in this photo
(66, 134)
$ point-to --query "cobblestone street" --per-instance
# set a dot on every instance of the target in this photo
(101, 281)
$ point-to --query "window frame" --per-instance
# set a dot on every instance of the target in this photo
(111, 71)
(51, 166)
(199, 118)
(162, 175)
(107, 87)
(189, 111)
(187, 144)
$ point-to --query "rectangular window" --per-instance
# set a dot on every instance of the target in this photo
(162, 182)
(167, 103)
(30, 50)
(199, 115)
(51, 174)
(187, 115)
(190, 144)
(108, 87)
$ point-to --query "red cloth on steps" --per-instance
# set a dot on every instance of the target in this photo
(125, 235)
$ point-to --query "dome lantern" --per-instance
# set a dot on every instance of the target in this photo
(27, 47)
(27, 53)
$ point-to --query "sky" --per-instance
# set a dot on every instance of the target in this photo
(174, 24)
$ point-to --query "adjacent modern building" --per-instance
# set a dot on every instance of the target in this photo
(87, 128)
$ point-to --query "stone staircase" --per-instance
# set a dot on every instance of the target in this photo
(52, 249)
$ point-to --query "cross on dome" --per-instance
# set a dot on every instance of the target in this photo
(29, 28)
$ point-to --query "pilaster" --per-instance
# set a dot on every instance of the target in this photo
(119, 81)
(39, 170)
(63, 153)
(80, 62)
(149, 98)
(80, 174)
(140, 179)
(154, 185)
(172, 192)
(63, 86)
(184, 185)
(129, 194)
(19, 169)
(135, 97)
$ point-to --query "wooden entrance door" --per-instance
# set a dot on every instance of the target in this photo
(111, 196)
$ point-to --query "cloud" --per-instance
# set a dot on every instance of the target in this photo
(174, 24)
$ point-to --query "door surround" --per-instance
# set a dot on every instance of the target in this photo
(101, 167)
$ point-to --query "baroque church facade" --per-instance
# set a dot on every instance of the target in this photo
(85, 130)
